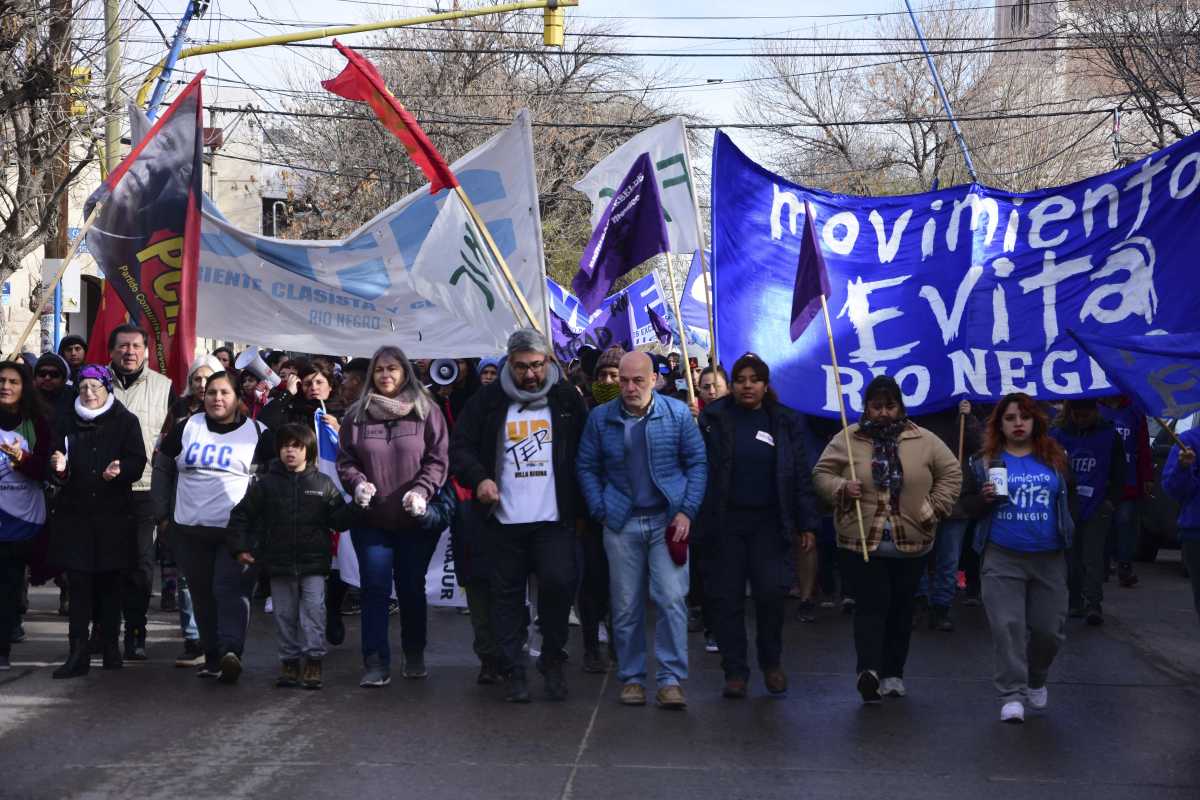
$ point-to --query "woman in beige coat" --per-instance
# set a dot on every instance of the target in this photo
(907, 482)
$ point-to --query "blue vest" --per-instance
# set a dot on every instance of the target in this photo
(1090, 455)
(1125, 420)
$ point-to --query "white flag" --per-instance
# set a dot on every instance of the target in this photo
(666, 145)
(457, 272)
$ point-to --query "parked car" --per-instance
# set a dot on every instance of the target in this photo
(1159, 513)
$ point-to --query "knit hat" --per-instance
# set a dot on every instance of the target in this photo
(484, 363)
(53, 360)
(610, 358)
(95, 372)
(71, 339)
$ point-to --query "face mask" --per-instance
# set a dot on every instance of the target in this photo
(604, 392)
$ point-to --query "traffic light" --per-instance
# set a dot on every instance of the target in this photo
(552, 24)
(81, 79)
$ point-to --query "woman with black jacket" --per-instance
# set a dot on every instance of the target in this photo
(98, 454)
(759, 496)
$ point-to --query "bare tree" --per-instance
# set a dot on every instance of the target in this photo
(37, 124)
(876, 125)
(1148, 51)
(461, 97)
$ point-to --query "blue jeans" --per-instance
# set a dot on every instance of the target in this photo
(638, 551)
(947, 548)
(383, 557)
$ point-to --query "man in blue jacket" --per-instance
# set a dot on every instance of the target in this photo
(1181, 480)
(642, 470)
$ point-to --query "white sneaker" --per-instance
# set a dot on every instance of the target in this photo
(892, 687)
(1038, 698)
(1013, 712)
(269, 607)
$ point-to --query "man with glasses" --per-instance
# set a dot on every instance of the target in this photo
(515, 445)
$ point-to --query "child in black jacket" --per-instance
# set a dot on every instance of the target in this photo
(284, 522)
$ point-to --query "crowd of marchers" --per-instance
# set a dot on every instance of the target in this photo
(594, 490)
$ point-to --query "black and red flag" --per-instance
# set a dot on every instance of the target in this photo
(147, 236)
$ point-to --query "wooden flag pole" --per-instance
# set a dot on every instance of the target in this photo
(962, 434)
(1171, 432)
(712, 328)
(837, 377)
(687, 366)
(508, 276)
(48, 290)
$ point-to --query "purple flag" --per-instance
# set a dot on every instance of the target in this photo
(662, 328)
(631, 230)
(812, 280)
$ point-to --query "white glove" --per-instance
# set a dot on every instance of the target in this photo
(414, 503)
(363, 493)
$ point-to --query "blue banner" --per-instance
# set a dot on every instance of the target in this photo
(963, 292)
(1160, 373)
(568, 314)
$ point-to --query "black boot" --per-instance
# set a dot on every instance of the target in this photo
(556, 682)
(77, 663)
(518, 688)
(112, 654)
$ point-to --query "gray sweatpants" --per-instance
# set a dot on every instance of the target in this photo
(299, 616)
(1025, 595)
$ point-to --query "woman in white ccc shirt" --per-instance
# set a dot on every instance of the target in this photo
(204, 466)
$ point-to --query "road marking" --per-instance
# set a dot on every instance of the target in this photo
(569, 788)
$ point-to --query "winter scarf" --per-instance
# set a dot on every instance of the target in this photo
(536, 398)
(886, 469)
(603, 392)
(89, 414)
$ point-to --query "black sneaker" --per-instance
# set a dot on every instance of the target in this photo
(230, 668)
(1095, 616)
(135, 644)
(939, 619)
(1125, 575)
(518, 688)
(594, 662)
(350, 604)
(556, 681)
(414, 666)
(488, 675)
(17, 635)
(375, 673)
(868, 687)
(211, 668)
(393, 607)
(192, 655)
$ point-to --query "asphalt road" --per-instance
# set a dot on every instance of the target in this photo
(1120, 725)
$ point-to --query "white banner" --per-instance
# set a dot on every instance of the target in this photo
(351, 296)
(666, 145)
(441, 583)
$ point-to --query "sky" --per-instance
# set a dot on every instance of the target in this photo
(716, 100)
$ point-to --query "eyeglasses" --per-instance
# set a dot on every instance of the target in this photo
(536, 366)
(49, 373)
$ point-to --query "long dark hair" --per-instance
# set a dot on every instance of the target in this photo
(30, 405)
(1045, 448)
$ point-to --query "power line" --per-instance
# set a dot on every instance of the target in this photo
(489, 121)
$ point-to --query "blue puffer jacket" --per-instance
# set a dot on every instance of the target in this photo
(1183, 484)
(678, 463)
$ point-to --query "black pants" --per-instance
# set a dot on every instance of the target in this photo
(884, 589)
(95, 595)
(14, 556)
(750, 547)
(593, 588)
(1191, 558)
(544, 549)
(220, 588)
(136, 583)
(479, 603)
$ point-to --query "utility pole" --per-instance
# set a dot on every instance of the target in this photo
(112, 81)
(55, 249)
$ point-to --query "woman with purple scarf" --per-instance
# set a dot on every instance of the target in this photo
(98, 454)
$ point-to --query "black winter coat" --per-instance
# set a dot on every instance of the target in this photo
(798, 510)
(474, 442)
(92, 526)
(285, 519)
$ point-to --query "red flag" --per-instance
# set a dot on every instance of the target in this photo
(361, 81)
(147, 235)
(109, 315)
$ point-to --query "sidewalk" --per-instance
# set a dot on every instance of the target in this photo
(1157, 616)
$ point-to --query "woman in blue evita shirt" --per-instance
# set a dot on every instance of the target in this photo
(1022, 536)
